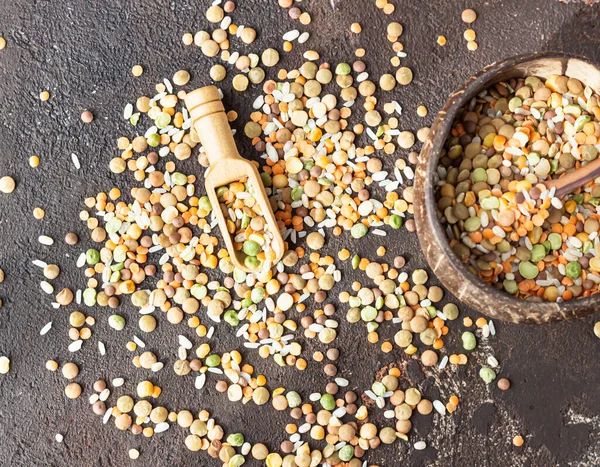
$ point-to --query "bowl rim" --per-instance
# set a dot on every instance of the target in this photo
(517, 310)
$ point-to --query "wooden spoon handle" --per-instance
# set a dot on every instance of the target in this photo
(572, 181)
(211, 124)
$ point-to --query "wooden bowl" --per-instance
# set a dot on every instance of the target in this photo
(455, 275)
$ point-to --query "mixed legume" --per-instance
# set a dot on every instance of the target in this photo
(501, 220)
(246, 224)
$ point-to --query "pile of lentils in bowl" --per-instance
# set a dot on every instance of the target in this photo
(500, 218)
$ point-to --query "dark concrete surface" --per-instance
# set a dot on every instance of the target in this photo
(82, 52)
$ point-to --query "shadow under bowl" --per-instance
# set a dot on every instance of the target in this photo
(453, 274)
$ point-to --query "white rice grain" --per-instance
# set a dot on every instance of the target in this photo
(45, 240)
(75, 160)
(46, 328)
(75, 345)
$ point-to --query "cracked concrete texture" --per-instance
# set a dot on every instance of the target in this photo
(82, 52)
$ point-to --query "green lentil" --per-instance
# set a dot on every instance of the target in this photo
(89, 297)
(251, 262)
(555, 241)
(487, 374)
(379, 388)
(213, 360)
(163, 120)
(573, 270)
(153, 140)
(510, 286)
(346, 453)
(294, 399)
(236, 439)
(538, 252)
(251, 248)
(236, 461)
(342, 69)
(92, 256)
(231, 317)
(358, 230)
(468, 340)
(472, 224)
(395, 221)
(116, 322)
(368, 313)
(198, 291)
(327, 402)
(528, 270)
(204, 203)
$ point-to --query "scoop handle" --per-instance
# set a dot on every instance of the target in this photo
(210, 122)
(576, 179)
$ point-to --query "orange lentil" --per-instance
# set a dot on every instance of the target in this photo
(476, 237)
(481, 322)
(518, 441)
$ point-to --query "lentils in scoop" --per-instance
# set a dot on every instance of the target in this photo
(246, 224)
(500, 218)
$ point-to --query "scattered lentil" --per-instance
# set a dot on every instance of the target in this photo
(468, 16)
(487, 374)
(87, 116)
(7, 184)
(503, 384)
(72, 390)
(4, 365)
(518, 441)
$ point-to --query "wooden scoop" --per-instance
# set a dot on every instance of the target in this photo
(576, 179)
(226, 165)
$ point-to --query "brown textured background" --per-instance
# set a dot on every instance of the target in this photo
(82, 52)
